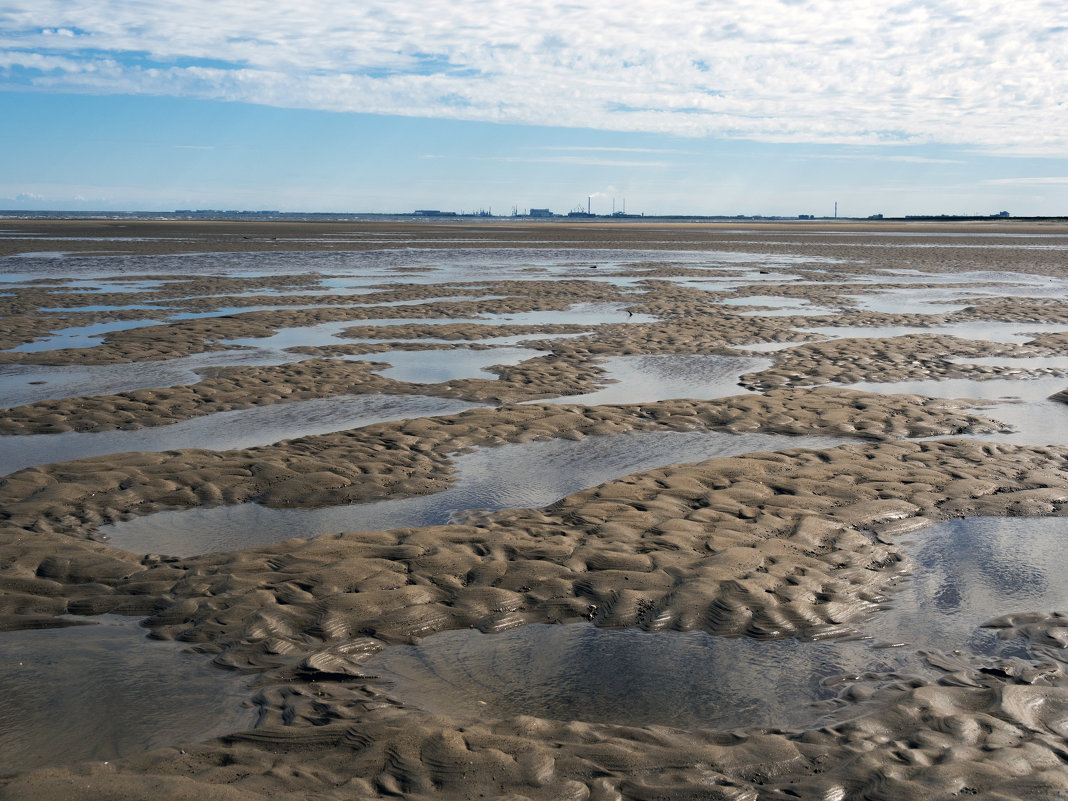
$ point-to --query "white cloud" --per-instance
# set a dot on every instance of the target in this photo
(585, 161)
(1039, 181)
(570, 149)
(881, 157)
(985, 73)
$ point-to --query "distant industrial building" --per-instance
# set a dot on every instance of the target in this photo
(1000, 214)
(541, 213)
(433, 213)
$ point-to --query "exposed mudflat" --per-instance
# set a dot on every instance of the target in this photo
(779, 548)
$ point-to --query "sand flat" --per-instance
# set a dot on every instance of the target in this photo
(796, 543)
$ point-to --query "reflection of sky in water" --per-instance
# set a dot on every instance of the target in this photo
(89, 336)
(133, 307)
(982, 330)
(104, 691)
(68, 381)
(1021, 362)
(967, 572)
(734, 279)
(914, 301)
(17, 382)
(971, 571)
(951, 298)
(435, 366)
(772, 301)
(488, 478)
(777, 306)
(1036, 420)
(881, 276)
(809, 311)
(327, 333)
(591, 314)
(513, 339)
(85, 336)
(243, 428)
(413, 265)
(645, 379)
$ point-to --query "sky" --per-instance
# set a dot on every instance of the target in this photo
(717, 107)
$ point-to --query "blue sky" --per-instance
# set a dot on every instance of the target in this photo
(682, 106)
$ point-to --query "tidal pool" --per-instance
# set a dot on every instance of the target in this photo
(981, 330)
(20, 383)
(85, 336)
(436, 366)
(966, 572)
(105, 691)
(1023, 404)
(771, 301)
(243, 428)
(925, 300)
(1051, 363)
(647, 379)
(488, 478)
(776, 306)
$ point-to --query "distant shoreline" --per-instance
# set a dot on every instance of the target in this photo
(326, 216)
(130, 234)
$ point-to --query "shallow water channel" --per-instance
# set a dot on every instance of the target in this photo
(967, 572)
(242, 428)
(488, 478)
(1024, 405)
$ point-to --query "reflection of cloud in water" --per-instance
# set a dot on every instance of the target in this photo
(67, 381)
(981, 330)
(364, 268)
(437, 366)
(1024, 404)
(84, 336)
(973, 570)
(646, 379)
(976, 569)
(618, 676)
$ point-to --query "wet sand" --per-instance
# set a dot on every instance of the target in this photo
(796, 543)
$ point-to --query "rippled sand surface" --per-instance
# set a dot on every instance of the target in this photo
(509, 510)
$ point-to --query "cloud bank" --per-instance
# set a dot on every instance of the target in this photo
(987, 73)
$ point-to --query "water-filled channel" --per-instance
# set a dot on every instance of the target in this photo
(243, 428)
(489, 478)
(1022, 404)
